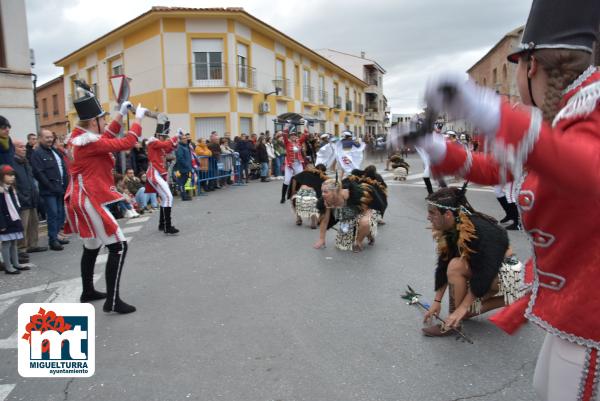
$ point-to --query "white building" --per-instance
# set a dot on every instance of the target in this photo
(16, 86)
(377, 111)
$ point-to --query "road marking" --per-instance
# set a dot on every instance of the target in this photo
(5, 390)
(65, 291)
(4, 305)
(138, 220)
(132, 229)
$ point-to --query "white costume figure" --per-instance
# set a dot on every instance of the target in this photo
(350, 158)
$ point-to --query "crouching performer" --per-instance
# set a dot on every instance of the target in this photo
(474, 261)
(355, 206)
(305, 190)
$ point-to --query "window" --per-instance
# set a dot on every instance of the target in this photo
(116, 67)
(245, 125)
(93, 79)
(45, 107)
(208, 62)
(206, 125)
(495, 76)
(242, 64)
(279, 69)
(297, 74)
(55, 104)
(307, 93)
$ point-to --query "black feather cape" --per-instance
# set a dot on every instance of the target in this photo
(489, 248)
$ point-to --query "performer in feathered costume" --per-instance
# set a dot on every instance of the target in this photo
(158, 147)
(91, 190)
(558, 205)
(305, 190)
(356, 206)
(473, 260)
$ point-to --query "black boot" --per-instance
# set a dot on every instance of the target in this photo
(514, 216)
(169, 229)
(504, 203)
(284, 189)
(88, 260)
(114, 267)
(161, 219)
(428, 185)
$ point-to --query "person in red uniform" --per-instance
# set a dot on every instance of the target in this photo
(294, 161)
(157, 149)
(92, 188)
(551, 150)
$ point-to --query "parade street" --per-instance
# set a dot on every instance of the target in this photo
(240, 307)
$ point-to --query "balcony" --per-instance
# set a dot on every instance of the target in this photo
(246, 77)
(337, 102)
(323, 97)
(208, 75)
(285, 86)
(349, 105)
(308, 94)
(372, 113)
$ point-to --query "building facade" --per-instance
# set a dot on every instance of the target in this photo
(50, 99)
(16, 85)
(377, 111)
(494, 71)
(216, 70)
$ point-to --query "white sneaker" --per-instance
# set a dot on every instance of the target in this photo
(129, 214)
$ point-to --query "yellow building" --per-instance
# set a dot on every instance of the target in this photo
(215, 69)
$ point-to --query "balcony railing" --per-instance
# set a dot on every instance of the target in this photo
(285, 86)
(323, 97)
(337, 102)
(349, 105)
(246, 77)
(372, 107)
(308, 93)
(208, 75)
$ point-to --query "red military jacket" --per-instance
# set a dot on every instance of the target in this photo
(91, 171)
(157, 150)
(290, 153)
(557, 170)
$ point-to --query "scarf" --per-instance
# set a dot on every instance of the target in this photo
(12, 210)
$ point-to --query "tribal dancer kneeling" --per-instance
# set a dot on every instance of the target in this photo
(356, 206)
(305, 190)
(473, 261)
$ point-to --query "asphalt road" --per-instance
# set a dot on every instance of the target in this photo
(240, 307)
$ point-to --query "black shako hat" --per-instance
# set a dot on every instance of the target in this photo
(559, 24)
(87, 106)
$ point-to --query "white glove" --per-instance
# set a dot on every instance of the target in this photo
(125, 106)
(140, 111)
(449, 92)
(434, 145)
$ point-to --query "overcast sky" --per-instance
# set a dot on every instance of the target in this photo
(409, 38)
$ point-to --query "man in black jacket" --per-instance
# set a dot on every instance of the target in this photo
(51, 173)
(28, 198)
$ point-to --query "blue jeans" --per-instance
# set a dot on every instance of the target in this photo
(55, 212)
(142, 198)
(277, 163)
(264, 169)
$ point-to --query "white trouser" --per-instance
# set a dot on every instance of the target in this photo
(162, 189)
(559, 370)
(292, 171)
(102, 238)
